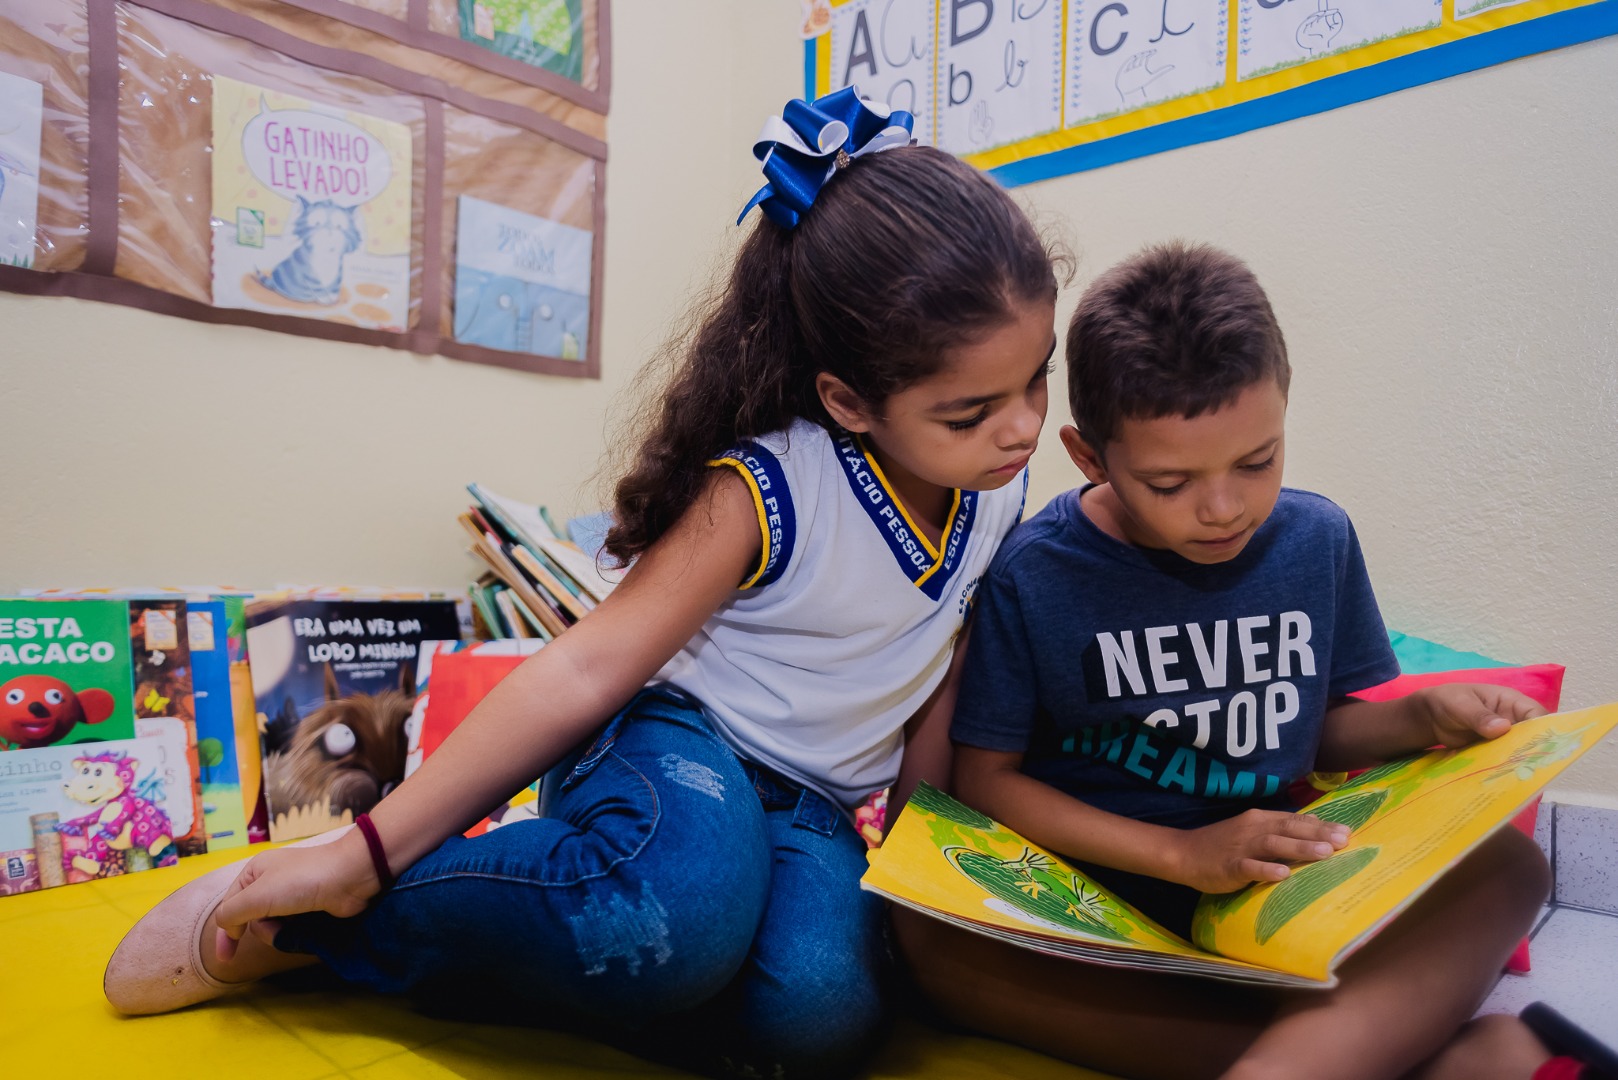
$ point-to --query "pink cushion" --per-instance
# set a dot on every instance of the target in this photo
(1542, 682)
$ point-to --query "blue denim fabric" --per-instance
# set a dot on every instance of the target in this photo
(675, 900)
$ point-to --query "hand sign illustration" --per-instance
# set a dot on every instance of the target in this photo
(1136, 74)
(981, 124)
(1316, 31)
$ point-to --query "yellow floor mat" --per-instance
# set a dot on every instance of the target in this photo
(55, 1023)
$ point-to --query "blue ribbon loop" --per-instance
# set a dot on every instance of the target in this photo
(799, 148)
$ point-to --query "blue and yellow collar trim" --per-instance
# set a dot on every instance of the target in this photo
(929, 568)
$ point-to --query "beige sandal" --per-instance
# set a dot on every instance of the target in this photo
(157, 967)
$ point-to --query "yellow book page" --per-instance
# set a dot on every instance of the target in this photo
(1412, 819)
(944, 858)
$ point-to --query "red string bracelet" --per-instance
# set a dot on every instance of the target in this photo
(379, 859)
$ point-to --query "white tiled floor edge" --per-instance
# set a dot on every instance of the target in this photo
(1584, 852)
(1575, 944)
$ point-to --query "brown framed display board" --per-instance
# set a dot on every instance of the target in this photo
(227, 164)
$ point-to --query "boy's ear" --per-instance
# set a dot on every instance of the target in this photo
(845, 406)
(1084, 455)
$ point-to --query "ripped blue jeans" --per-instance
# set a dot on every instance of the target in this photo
(676, 901)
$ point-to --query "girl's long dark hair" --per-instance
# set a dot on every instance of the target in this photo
(905, 254)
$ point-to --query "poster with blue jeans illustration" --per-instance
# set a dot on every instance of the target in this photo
(522, 283)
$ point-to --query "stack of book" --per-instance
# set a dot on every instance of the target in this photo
(537, 583)
(142, 725)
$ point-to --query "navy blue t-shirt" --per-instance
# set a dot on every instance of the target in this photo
(1161, 689)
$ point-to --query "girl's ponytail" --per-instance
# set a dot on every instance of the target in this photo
(904, 255)
(731, 382)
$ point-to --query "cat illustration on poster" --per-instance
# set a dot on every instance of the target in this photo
(313, 273)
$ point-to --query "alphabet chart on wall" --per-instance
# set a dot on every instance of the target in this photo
(1123, 56)
(1000, 72)
(887, 45)
(1030, 89)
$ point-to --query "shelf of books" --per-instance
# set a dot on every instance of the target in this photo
(142, 725)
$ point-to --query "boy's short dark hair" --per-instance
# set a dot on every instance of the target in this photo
(1175, 330)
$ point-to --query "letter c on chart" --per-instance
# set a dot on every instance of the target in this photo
(1095, 26)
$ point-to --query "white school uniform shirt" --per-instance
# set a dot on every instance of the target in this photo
(845, 627)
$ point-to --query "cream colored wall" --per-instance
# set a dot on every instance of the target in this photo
(142, 449)
(1443, 261)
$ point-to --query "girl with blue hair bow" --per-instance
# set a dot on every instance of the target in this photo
(829, 467)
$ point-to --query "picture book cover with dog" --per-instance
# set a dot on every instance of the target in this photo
(66, 674)
(1411, 820)
(21, 121)
(451, 678)
(334, 683)
(522, 283)
(75, 813)
(311, 208)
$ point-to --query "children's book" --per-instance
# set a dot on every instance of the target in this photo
(527, 525)
(1411, 820)
(222, 806)
(74, 812)
(548, 34)
(66, 675)
(244, 716)
(334, 683)
(240, 745)
(160, 646)
(486, 620)
(496, 554)
(452, 678)
(22, 105)
(311, 207)
(522, 282)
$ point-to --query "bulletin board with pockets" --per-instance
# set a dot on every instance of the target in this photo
(421, 174)
(1030, 89)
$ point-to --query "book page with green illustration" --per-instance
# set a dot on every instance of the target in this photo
(950, 862)
(1411, 820)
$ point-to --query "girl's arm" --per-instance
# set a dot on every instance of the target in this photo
(530, 720)
(1253, 846)
(928, 751)
(1357, 734)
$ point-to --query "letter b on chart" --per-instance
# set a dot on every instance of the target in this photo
(999, 72)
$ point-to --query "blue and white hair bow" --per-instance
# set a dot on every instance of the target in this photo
(809, 141)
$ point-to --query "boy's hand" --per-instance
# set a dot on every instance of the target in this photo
(1253, 846)
(1459, 714)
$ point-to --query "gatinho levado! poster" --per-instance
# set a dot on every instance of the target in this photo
(311, 208)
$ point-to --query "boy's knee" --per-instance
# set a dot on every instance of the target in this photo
(1518, 862)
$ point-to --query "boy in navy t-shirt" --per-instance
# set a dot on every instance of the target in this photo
(1154, 658)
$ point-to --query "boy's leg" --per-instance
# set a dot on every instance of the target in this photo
(1405, 996)
(1143, 1025)
(811, 999)
(639, 896)
(1401, 1002)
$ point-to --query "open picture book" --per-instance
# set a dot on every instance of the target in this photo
(1411, 820)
